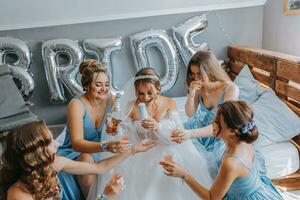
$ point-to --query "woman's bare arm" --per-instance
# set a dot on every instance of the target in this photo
(75, 123)
(85, 168)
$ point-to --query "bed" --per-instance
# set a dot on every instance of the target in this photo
(281, 72)
(285, 162)
(274, 70)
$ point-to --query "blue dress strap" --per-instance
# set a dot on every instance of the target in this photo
(221, 100)
(107, 110)
(239, 159)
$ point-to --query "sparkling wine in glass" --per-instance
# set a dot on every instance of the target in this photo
(113, 118)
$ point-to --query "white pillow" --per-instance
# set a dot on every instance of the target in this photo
(276, 122)
(250, 89)
(281, 159)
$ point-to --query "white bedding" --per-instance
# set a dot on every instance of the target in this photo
(281, 158)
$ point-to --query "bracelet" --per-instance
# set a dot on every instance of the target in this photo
(190, 95)
(183, 178)
(104, 146)
(102, 197)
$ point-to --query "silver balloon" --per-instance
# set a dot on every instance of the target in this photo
(57, 74)
(157, 38)
(102, 50)
(20, 68)
(184, 33)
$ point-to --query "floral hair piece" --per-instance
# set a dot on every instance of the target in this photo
(247, 127)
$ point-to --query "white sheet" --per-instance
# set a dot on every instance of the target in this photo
(281, 159)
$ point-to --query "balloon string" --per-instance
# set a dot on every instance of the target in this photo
(221, 26)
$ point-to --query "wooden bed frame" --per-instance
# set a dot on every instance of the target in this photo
(279, 71)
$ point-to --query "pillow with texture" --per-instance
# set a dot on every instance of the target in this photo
(250, 89)
(276, 122)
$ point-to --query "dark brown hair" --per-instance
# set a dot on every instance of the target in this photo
(209, 63)
(236, 115)
(26, 158)
(87, 69)
(148, 71)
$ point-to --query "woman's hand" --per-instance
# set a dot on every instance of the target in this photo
(119, 146)
(114, 186)
(195, 86)
(179, 136)
(173, 169)
(150, 124)
(139, 147)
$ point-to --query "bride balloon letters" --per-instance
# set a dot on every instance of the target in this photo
(19, 67)
(66, 75)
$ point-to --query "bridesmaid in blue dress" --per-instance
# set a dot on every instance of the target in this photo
(239, 169)
(86, 116)
(209, 86)
(29, 165)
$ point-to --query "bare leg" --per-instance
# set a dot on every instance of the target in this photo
(85, 181)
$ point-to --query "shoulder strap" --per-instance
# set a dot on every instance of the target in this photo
(239, 159)
(221, 100)
(83, 104)
(107, 107)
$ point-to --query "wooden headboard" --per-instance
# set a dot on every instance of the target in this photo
(279, 71)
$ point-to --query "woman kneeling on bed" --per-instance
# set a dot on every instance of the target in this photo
(239, 170)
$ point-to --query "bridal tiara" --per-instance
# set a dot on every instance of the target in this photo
(153, 77)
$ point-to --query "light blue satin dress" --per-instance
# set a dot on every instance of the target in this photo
(202, 118)
(255, 186)
(69, 187)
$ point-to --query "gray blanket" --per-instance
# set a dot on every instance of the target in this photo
(13, 111)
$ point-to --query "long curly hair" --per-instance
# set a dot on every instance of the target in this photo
(26, 158)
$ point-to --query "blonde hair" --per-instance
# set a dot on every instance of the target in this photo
(87, 69)
(147, 73)
(209, 63)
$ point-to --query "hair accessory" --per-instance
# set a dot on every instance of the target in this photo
(247, 126)
(153, 77)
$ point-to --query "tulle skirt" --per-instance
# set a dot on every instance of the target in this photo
(145, 180)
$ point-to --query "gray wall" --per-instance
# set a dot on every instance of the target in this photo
(243, 25)
(280, 32)
(57, 12)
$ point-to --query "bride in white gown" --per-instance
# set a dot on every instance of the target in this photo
(144, 178)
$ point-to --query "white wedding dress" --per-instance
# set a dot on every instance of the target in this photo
(144, 177)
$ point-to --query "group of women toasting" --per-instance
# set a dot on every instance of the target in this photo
(212, 153)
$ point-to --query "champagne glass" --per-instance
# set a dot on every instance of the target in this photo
(112, 125)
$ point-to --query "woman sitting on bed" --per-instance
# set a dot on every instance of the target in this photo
(239, 170)
(86, 116)
(147, 182)
(209, 86)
